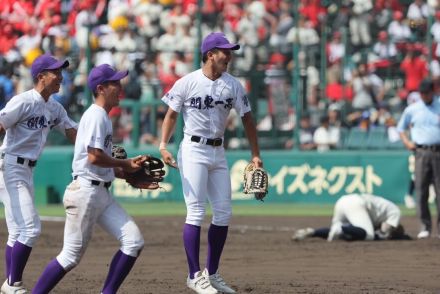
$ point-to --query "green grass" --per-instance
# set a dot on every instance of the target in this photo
(239, 209)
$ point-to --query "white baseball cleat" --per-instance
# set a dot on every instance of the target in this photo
(423, 234)
(218, 283)
(301, 234)
(201, 283)
(17, 288)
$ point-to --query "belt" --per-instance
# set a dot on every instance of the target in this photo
(212, 142)
(21, 160)
(97, 183)
(429, 147)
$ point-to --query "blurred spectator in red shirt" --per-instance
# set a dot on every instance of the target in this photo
(7, 38)
(168, 78)
(335, 91)
(414, 66)
(312, 10)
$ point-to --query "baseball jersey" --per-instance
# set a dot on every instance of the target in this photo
(205, 104)
(423, 121)
(95, 130)
(28, 118)
(381, 210)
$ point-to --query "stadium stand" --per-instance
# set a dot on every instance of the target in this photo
(308, 54)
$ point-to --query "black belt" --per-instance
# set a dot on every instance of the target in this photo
(21, 160)
(429, 147)
(212, 142)
(97, 183)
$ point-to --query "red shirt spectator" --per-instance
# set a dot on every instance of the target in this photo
(415, 69)
(337, 92)
(7, 38)
(312, 10)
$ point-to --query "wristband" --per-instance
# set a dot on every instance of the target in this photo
(162, 146)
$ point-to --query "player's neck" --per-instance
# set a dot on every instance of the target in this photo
(210, 72)
(43, 92)
(102, 103)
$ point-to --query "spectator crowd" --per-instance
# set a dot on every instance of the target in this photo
(360, 62)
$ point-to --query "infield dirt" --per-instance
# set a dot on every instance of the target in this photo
(259, 257)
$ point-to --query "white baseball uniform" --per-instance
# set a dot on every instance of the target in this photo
(365, 211)
(27, 118)
(205, 105)
(87, 199)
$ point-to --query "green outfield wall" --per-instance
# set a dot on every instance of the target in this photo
(301, 177)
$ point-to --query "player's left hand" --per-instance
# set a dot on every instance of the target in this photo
(168, 158)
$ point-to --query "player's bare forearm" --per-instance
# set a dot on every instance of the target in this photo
(119, 173)
(98, 157)
(71, 135)
(168, 125)
(251, 133)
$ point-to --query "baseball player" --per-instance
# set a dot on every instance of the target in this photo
(87, 198)
(205, 97)
(359, 217)
(27, 119)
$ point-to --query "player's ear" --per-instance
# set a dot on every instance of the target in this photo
(39, 76)
(99, 89)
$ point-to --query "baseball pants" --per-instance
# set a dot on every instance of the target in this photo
(205, 177)
(86, 205)
(352, 209)
(17, 195)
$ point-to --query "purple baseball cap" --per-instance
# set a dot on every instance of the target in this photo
(46, 62)
(217, 40)
(104, 73)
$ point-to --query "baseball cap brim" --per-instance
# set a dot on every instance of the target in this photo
(58, 64)
(118, 76)
(228, 46)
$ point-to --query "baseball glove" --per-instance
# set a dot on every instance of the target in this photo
(255, 181)
(119, 152)
(148, 177)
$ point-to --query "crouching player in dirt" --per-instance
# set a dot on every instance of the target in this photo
(360, 217)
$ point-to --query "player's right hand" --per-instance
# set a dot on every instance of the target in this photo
(134, 164)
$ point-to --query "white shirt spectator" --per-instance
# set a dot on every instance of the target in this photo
(399, 31)
(362, 6)
(385, 50)
(325, 137)
(82, 20)
(435, 31)
(336, 51)
(148, 14)
(416, 12)
(305, 36)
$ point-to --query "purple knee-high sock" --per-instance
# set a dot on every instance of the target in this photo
(8, 256)
(53, 273)
(111, 270)
(121, 269)
(216, 240)
(19, 257)
(191, 241)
